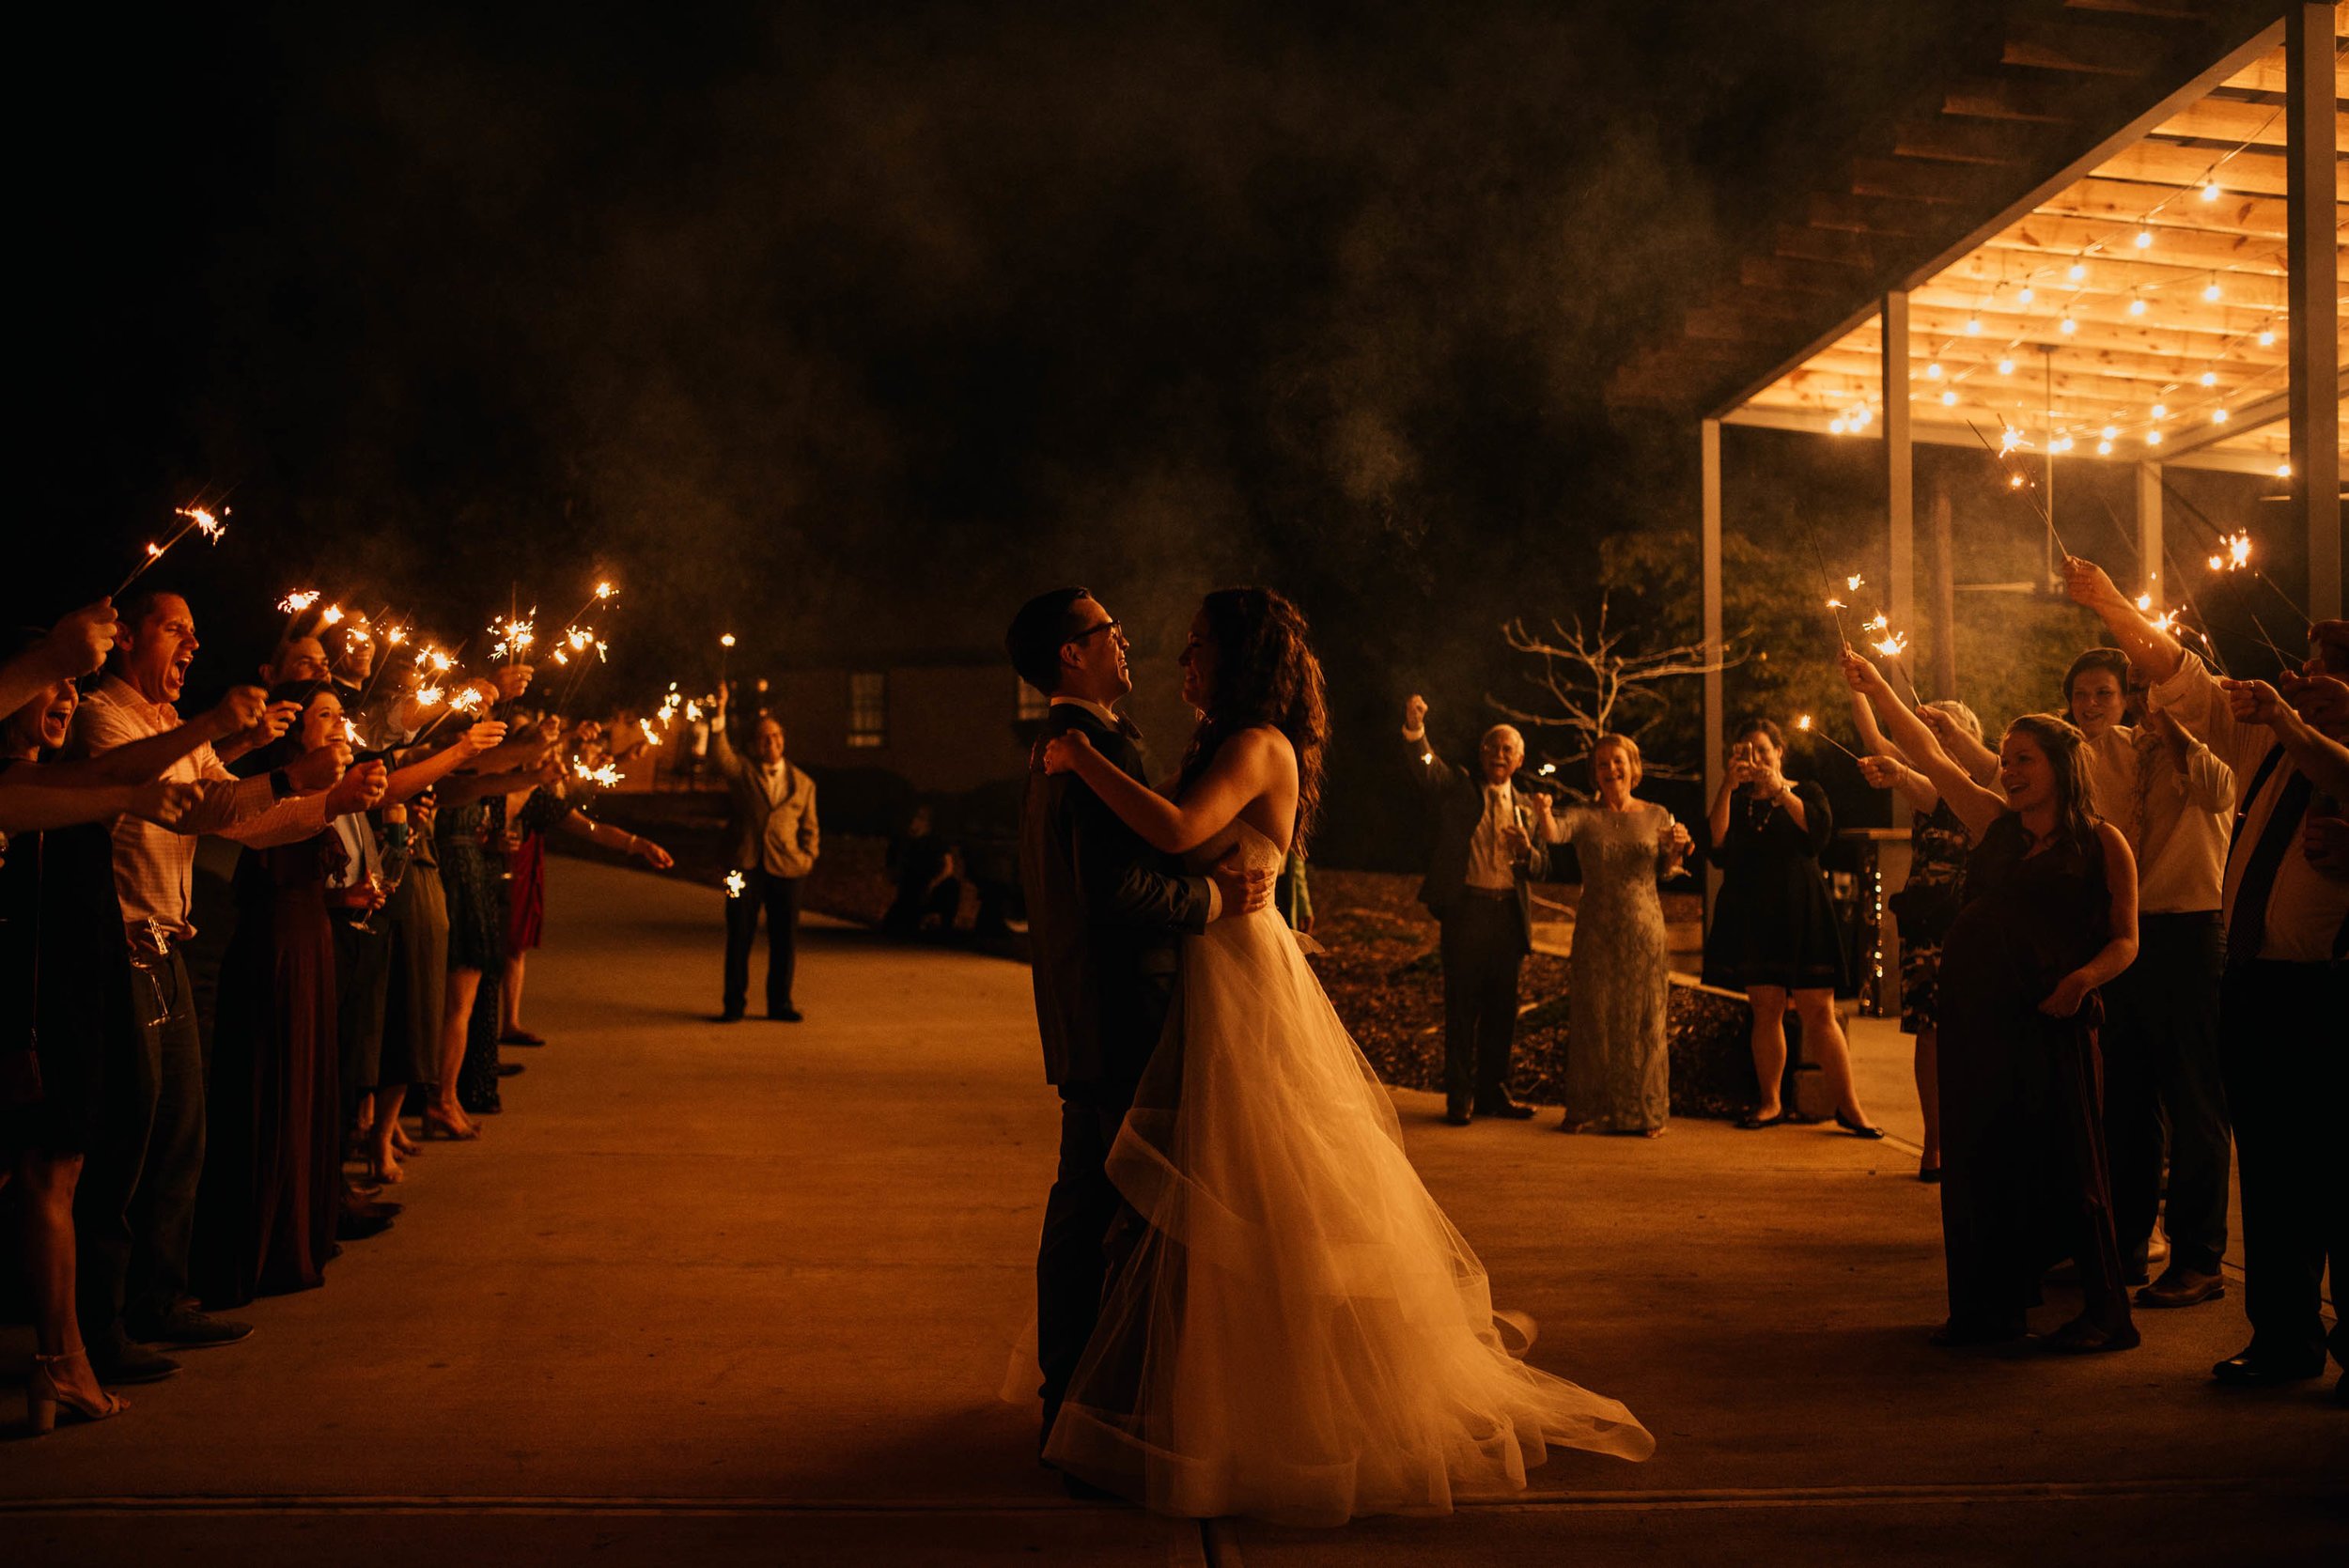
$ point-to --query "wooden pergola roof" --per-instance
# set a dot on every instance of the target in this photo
(2131, 304)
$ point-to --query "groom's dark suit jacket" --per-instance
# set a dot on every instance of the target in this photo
(1105, 911)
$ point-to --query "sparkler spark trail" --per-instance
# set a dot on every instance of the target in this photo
(514, 636)
(299, 601)
(196, 520)
(2015, 481)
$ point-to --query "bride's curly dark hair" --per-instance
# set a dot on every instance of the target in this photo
(1264, 673)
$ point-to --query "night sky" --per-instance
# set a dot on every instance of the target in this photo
(850, 326)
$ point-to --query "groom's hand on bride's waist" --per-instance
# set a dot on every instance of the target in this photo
(1240, 891)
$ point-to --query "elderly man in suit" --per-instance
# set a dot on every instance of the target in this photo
(1106, 916)
(770, 825)
(1488, 849)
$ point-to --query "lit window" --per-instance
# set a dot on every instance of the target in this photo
(868, 709)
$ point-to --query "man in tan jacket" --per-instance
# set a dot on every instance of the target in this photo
(771, 824)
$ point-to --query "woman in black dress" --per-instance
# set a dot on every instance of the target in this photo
(66, 994)
(1926, 903)
(1774, 934)
(2048, 914)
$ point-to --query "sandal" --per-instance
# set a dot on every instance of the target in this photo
(1857, 1129)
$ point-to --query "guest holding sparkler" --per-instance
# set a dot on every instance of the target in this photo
(136, 1207)
(2287, 938)
(1618, 1077)
(1928, 901)
(2048, 915)
(1774, 933)
(772, 829)
(65, 978)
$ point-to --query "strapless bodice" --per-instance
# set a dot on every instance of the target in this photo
(1257, 852)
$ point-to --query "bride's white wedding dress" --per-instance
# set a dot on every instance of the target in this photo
(1299, 1334)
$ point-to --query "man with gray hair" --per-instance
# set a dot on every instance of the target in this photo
(1481, 868)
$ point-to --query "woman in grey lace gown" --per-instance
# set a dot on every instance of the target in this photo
(1618, 1077)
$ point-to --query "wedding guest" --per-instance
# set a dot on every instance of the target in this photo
(65, 978)
(1618, 1072)
(1774, 932)
(1480, 867)
(2173, 799)
(416, 918)
(1928, 901)
(75, 647)
(774, 840)
(272, 1196)
(2048, 916)
(2287, 938)
(135, 1208)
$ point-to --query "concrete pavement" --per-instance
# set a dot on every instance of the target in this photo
(746, 1294)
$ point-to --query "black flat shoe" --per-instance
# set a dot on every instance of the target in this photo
(1751, 1122)
(509, 1069)
(1857, 1129)
(2251, 1369)
(1456, 1113)
(1508, 1110)
(1930, 1175)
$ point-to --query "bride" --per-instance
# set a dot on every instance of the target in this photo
(1299, 1334)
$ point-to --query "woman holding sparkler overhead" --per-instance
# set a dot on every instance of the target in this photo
(2048, 915)
(1774, 934)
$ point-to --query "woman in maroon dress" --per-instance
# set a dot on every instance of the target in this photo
(2048, 914)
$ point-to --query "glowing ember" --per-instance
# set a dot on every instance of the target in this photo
(513, 637)
(2238, 552)
(652, 736)
(467, 698)
(332, 615)
(1882, 623)
(726, 641)
(299, 601)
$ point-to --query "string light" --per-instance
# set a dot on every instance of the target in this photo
(2137, 306)
(2153, 438)
(2267, 339)
(1948, 399)
(1973, 326)
(2103, 449)
(2078, 270)
(2144, 239)
(2067, 326)
(2210, 289)
(2006, 367)
(1932, 372)
(2217, 416)
(2210, 190)
(2161, 410)
(2026, 294)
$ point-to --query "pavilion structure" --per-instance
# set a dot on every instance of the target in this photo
(2115, 237)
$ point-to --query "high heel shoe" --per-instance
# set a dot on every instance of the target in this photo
(43, 1397)
(438, 1125)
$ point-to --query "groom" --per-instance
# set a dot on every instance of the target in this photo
(1105, 916)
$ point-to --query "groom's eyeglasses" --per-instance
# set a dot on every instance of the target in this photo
(1117, 626)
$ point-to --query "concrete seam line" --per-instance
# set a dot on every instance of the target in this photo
(1694, 1497)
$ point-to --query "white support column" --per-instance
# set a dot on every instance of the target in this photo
(1899, 468)
(2311, 188)
(2150, 575)
(1716, 719)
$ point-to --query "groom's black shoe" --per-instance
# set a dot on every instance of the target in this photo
(1508, 1111)
(1456, 1113)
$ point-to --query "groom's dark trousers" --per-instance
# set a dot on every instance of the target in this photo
(1106, 913)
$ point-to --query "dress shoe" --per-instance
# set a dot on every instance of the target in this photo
(2252, 1368)
(784, 1015)
(185, 1328)
(2181, 1286)
(125, 1362)
(521, 1037)
(1508, 1111)
(2081, 1336)
(509, 1069)
(1456, 1113)
(730, 1016)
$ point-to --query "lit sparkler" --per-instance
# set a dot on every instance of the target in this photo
(2234, 552)
(430, 696)
(196, 520)
(735, 884)
(652, 736)
(1806, 726)
(513, 636)
(299, 601)
(606, 776)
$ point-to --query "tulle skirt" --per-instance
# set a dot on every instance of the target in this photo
(1299, 1334)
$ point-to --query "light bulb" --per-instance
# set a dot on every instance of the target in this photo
(1948, 399)
(2267, 339)
(2006, 367)
(2210, 378)
(2077, 270)
(2210, 290)
(2067, 326)
(2144, 239)
(2103, 449)
(2161, 410)
(2283, 471)
(2210, 190)
(1932, 372)
(2153, 438)
(1973, 326)
(2217, 416)
(1835, 426)
(2137, 308)
(2026, 294)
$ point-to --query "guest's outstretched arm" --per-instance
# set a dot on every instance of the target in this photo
(2150, 648)
(2325, 760)
(1975, 806)
(417, 777)
(1241, 772)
